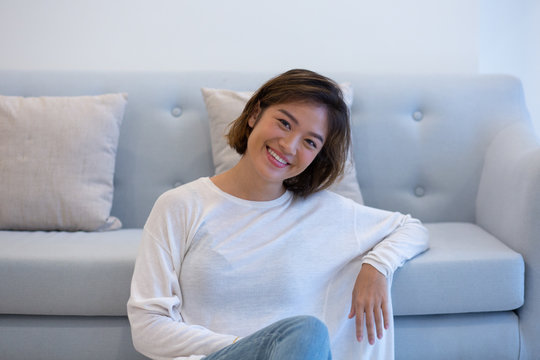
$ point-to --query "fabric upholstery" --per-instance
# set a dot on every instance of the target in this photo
(508, 206)
(420, 144)
(60, 273)
(59, 338)
(57, 157)
(466, 336)
(465, 270)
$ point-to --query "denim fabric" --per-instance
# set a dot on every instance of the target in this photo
(298, 338)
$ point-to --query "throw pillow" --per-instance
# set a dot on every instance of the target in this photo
(57, 158)
(224, 106)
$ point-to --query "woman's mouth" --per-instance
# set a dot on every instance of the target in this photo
(276, 159)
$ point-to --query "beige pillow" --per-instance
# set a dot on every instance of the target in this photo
(57, 158)
(224, 106)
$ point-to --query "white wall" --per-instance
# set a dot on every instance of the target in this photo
(509, 42)
(384, 36)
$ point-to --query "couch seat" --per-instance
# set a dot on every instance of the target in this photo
(59, 273)
(465, 270)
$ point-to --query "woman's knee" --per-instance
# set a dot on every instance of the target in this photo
(302, 337)
(311, 325)
(306, 328)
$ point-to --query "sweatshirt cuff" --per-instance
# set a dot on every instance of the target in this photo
(377, 265)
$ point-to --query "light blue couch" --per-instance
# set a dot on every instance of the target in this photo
(457, 152)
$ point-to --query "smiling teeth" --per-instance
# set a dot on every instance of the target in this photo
(276, 156)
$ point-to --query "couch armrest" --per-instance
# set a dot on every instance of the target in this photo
(508, 206)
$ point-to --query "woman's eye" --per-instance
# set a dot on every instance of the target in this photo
(285, 123)
(311, 143)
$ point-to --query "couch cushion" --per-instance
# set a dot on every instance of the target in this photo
(465, 270)
(57, 156)
(60, 273)
(461, 336)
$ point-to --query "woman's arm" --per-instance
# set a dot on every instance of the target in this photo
(393, 238)
(157, 327)
(397, 238)
(154, 307)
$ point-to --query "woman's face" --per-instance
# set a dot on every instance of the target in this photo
(285, 139)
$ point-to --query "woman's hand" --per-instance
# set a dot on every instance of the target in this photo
(370, 301)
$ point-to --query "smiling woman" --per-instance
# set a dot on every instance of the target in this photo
(316, 96)
(288, 136)
(241, 265)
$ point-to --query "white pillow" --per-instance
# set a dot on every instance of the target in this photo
(224, 106)
(57, 158)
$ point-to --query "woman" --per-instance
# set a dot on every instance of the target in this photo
(248, 264)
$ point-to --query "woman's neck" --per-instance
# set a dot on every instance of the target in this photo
(242, 184)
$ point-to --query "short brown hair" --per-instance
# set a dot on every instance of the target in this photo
(300, 85)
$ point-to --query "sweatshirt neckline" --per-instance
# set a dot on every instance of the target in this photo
(259, 204)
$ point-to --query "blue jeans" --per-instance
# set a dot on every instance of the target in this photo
(295, 338)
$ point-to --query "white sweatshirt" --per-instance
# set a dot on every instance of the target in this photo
(212, 267)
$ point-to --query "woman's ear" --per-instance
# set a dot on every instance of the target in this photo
(254, 117)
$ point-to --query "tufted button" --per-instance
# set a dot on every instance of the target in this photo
(419, 191)
(177, 184)
(417, 115)
(176, 111)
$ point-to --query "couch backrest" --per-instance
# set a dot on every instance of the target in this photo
(419, 141)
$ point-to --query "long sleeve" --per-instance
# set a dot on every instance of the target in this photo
(157, 326)
(403, 237)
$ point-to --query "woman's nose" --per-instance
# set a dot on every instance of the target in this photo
(289, 144)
